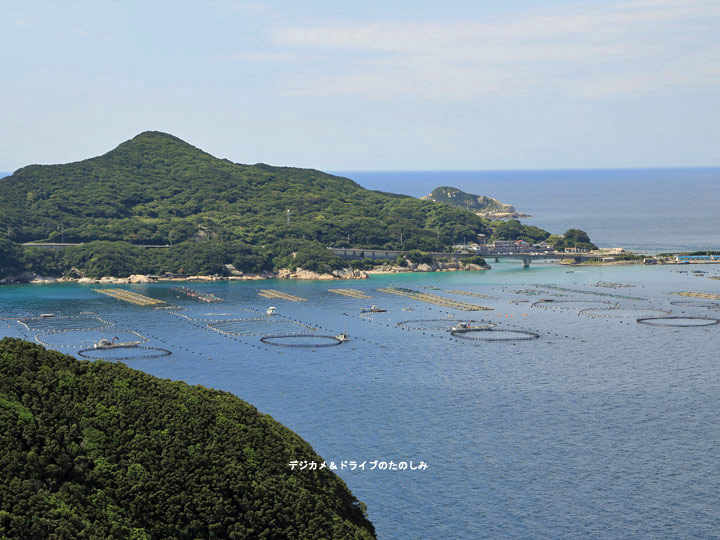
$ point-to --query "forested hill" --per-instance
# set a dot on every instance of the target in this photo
(97, 450)
(158, 189)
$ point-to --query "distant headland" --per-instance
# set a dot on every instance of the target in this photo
(480, 205)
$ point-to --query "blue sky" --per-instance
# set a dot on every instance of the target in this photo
(367, 85)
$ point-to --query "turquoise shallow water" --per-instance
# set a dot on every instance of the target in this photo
(600, 428)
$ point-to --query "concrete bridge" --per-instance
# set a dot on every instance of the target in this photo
(525, 257)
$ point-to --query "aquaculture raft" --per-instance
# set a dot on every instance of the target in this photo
(612, 285)
(198, 295)
(350, 292)
(698, 295)
(468, 293)
(580, 291)
(579, 304)
(434, 299)
(271, 293)
(696, 303)
(623, 312)
(133, 298)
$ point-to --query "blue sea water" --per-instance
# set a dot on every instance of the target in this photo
(602, 428)
(652, 210)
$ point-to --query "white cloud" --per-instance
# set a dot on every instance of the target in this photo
(626, 48)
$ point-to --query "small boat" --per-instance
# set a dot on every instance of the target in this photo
(111, 344)
(460, 327)
(407, 309)
(103, 344)
(46, 315)
(271, 310)
(342, 338)
(373, 309)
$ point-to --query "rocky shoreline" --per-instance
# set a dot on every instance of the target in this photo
(424, 267)
(299, 273)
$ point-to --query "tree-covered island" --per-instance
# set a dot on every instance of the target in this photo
(210, 216)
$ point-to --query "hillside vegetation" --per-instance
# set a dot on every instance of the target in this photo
(157, 189)
(97, 450)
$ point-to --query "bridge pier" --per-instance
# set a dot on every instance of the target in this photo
(526, 262)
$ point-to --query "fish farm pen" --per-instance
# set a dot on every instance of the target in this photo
(679, 321)
(434, 299)
(468, 293)
(301, 340)
(271, 293)
(494, 334)
(198, 295)
(127, 296)
(696, 303)
(141, 353)
(352, 293)
(580, 291)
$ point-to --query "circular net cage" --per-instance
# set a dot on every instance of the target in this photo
(679, 321)
(48, 325)
(442, 324)
(122, 353)
(574, 305)
(624, 312)
(495, 334)
(301, 340)
(261, 326)
(88, 338)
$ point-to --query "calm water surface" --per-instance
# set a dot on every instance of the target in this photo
(601, 428)
(652, 210)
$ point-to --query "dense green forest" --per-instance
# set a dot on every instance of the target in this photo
(97, 450)
(157, 189)
(514, 230)
(575, 238)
